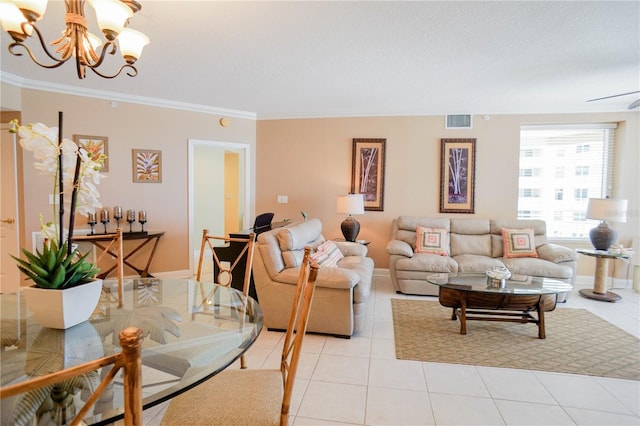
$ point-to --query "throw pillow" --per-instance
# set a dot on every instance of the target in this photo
(518, 243)
(432, 241)
(327, 254)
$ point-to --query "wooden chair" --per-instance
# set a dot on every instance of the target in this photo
(225, 273)
(226, 268)
(254, 396)
(112, 239)
(128, 360)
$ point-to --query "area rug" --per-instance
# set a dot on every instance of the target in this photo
(577, 342)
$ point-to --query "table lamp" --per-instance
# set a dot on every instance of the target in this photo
(350, 204)
(605, 209)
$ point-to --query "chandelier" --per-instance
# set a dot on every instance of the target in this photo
(19, 19)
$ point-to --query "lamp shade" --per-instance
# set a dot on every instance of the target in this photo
(608, 209)
(350, 204)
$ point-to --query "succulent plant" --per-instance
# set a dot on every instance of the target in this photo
(54, 267)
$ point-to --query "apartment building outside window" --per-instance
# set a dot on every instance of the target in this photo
(561, 167)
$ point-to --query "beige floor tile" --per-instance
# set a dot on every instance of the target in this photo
(626, 391)
(515, 385)
(454, 379)
(396, 374)
(531, 414)
(599, 418)
(383, 348)
(334, 402)
(397, 407)
(342, 369)
(464, 410)
(581, 392)
(356, 346)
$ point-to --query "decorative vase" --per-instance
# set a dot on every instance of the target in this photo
(64, 308)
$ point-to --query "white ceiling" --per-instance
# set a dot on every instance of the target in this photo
(328, 59)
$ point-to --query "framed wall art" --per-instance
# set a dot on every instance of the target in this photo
(457, 176)
(94, 145)
(147, 165)
(367, 175)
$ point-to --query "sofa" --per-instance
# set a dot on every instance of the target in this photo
(340, 299)
(471, 245)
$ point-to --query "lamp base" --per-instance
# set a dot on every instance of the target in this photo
(602, 236)
(350, 228)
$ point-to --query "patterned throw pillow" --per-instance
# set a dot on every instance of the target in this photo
(432, 241)
(518, 243)
(327, 254)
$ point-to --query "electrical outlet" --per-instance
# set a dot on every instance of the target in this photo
(283, 199)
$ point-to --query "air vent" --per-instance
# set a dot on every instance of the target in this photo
(458, 121)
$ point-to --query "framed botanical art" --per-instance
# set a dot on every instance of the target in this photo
(367, 175)
(94, 145)
(457, 176)
(147, 165)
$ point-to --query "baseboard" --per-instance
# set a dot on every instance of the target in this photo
(381, 272)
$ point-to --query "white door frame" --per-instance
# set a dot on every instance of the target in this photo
(246, 151)
(9, 232)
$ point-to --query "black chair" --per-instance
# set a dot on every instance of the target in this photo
(262, 223)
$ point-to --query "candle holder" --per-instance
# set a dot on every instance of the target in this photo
(104, 218)
(117, 215)
(142, 218)
(131, 217)
(91, 220)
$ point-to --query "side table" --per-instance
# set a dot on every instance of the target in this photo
(599, 291)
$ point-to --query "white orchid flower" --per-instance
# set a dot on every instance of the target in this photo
(43, 142)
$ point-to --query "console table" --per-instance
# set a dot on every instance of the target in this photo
(142, 239)
(599, 291)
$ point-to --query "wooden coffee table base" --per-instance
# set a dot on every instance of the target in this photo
(473, 306)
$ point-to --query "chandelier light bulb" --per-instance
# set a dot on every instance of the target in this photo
(131, 43)
(32, 9)
(12, 20)
(112, 15)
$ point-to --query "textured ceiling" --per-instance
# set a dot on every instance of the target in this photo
(327, 59)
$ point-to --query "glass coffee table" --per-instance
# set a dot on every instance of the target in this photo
(473, 296)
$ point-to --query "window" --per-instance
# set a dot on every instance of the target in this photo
(569, 164)
(582, 170)
(582, 194)
(559, 194)
(580, 149)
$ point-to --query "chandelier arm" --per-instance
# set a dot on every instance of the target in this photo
(43, 44)
(132, 73)
(109, 47)
(32, 56)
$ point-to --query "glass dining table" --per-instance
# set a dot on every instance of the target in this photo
(192, 331)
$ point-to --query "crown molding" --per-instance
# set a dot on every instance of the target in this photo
(25, 83)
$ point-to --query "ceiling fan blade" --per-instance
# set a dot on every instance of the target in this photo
(634, 105)
(613, 96)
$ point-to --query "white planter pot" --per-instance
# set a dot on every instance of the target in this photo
(65, 308)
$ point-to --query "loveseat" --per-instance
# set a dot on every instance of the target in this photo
(340, 299)
(472, 245)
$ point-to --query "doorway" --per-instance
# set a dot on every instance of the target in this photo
(219, 190)
(9, 215)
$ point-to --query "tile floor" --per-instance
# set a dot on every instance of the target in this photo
(359, 381)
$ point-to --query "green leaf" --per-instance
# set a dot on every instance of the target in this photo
(58, 277)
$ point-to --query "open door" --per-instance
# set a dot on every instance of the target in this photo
(218, 190)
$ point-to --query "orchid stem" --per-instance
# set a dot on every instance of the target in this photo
(60, 179)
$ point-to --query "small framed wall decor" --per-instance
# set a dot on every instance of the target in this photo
(147, 165)
(367, 174)
(457, 176)
(94, 145)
